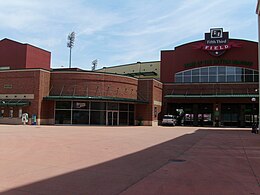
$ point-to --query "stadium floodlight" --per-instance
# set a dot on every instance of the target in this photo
(94, 64)
(70, 44)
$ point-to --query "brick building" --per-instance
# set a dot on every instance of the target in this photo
(70, 96)
(210, 82)
(213, 81)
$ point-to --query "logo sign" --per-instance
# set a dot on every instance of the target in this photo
(217, 33)
(216, 37)
(216, 42)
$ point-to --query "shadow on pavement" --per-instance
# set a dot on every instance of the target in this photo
(118, 175)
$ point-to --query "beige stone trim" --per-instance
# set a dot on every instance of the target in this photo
(17, 96)
(157, 103)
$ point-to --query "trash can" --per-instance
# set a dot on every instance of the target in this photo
(34, 119)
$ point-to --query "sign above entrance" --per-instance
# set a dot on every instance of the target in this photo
(216, 37)
(216, 42)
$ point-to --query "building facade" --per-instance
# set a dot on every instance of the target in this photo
(71, 96)
(213, 81)
(210, 82)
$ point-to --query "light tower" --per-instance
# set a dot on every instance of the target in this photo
(70, 44)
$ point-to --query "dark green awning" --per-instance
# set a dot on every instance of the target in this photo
(14, 103)
(212, 96)
(99, 98)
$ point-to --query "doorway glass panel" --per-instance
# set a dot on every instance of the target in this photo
(112, 118)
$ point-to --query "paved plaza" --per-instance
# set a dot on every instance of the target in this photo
(86, 160)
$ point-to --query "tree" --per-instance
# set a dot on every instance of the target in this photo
(70, 44)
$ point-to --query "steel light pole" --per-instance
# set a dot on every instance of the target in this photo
(70, 44)
(139, 69)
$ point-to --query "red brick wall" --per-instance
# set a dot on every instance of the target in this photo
(167, 66)
(93, 84)
(37, 58)
(45, 110)
(21, 81)
(145, 93)
(157, 98)
(149, 90)
(27, 82)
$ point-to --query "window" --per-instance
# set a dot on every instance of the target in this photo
(112, 106)
(98, 106)
(98, 118)
(80, 117)
(123, 107)
(195, 75)
(217, 74)
(131, 107)
(63, 117)
(204, 71)
(187, 77)
(63, 105)
(80, 105)
(178, 78)
(93, 113)
(222, 71)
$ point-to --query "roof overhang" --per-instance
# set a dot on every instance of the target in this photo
(212, 96)
(10, 103)
(96, 98)
(151, 73)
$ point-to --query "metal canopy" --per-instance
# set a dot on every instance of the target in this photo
(211, 96)
(14, 103)
(100, 98)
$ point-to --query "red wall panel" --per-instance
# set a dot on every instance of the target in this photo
(174, 61)
(37, 58)
(19, 56)
(12, 54)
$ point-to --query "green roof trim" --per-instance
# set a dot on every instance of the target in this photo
(152, 73)
(212, 96)
(99, 98)
(14, 103)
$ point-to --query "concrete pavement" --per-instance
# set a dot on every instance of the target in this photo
(128, 160)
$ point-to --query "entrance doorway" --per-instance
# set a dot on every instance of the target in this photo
(230, 114)
(112, 118)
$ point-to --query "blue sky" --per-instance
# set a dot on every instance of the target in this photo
(121, 31)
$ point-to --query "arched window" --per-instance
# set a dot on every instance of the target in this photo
(217, 74)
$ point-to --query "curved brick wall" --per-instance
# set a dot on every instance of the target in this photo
(93, 84)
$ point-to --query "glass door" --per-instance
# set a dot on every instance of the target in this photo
(112, 118)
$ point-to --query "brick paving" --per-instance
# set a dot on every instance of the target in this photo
(62, 160)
